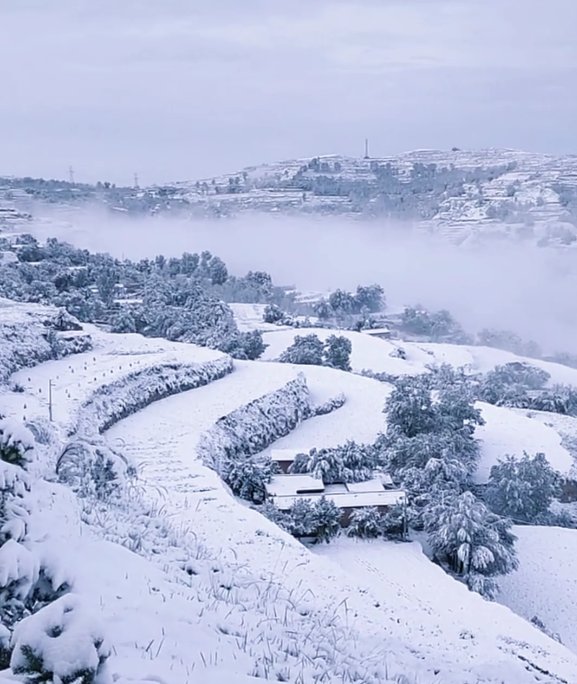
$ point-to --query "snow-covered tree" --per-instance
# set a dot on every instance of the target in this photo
(342, 303)
(306, 350)
(247, 478)
(523, 488)
(365, 523)
(337, 352)
(319, 519)
(409, 408)
(370, 297)
(475, 543)
(326, 517)
(349, 462)
(16, 442)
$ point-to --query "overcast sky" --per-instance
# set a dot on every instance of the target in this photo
(180, 89)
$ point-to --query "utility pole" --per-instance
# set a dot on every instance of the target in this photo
(405, 521)
(136, 181)
(367, 148)
(71, 174)
(50, 399)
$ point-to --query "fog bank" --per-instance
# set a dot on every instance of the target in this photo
(515, 286)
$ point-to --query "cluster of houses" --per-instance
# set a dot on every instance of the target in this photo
(284, 489)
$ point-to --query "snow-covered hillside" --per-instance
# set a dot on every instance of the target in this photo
(462, 195)
(190, 582)
(195, 499)
(545, 585)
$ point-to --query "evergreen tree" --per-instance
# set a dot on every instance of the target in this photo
(475, 543)
(326, 519)
(409, 408)
(365, 523)
(337, 352)
(523, 488)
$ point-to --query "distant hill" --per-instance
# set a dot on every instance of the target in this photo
(461, 194)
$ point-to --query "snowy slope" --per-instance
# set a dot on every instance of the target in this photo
(511, 431)
(367, 352)
(194, 499)
(372, 353)
(76, 377)
(403, 583)
(545, 585)
(252, 593)
(361, 417)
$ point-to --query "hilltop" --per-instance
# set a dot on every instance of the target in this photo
(460, 194)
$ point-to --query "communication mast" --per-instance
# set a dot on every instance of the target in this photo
(71, 174)
(367, 148)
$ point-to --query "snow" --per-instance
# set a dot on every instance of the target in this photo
(66, 637)
(413, 608)
(249, 594)
(404, 584)
(512, 432)
(287, 485)
(345, 498)
(545, 585)
(367, 352)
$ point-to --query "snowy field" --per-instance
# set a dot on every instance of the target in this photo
(545, 585)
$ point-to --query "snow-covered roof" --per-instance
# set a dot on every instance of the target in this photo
(374, 485)
(288, 485)
(346, 499)
(286, 489)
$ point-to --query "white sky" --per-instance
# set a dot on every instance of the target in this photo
(179, 89)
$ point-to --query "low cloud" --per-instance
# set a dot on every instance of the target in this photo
(511, 285)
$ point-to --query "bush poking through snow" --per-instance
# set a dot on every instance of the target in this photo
(16, 442)
(60, 643)
(92, 469)
(330, 405)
